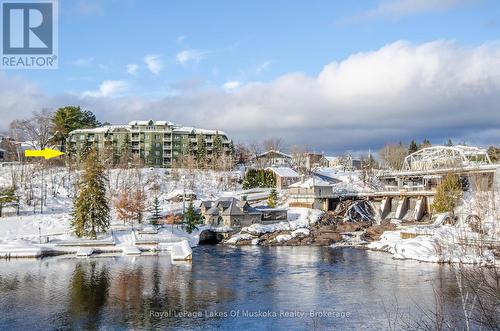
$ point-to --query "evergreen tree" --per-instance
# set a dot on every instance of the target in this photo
(201, 152)
(125, 153)
(156, 210)
(426, 143)
(69, 118)
(192, 219)
(272, 200)
(447, 194)
(449, 143)
(152, 154)
(259, 178)
(91, 210)
(413, 147)
(7, 195)
(218, 148)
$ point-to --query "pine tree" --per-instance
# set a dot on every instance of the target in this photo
(192, 219)
(426, 143)
(91, 210)
(272, 200)
(126, 150)
(217, 149)
(156, 210)
(7, 195)
(152, 154)
(201, 152)
(447, 194)
(413, 147)
(449, 143)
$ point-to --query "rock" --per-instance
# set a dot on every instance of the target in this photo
(374, 232)
(327, 238)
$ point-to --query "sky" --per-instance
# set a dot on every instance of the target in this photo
(328, 75)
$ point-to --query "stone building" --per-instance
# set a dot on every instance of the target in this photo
(230, 212)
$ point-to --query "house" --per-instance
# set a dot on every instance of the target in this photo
(347, 162)
(284, 176)
(179, 195)
(308, 161)
(231, 212)
(272, 158)
(273, 215)
(333, 161)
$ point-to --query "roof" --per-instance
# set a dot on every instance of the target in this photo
(272, 151)
(284, 172)
(189, 129)
(159, 123)
(206, 203)
(332, 158)
(214, 211)
(104, 128)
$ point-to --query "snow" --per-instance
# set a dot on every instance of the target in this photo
(351, 239)
(341, 181)
(302, 232)
(282, 237)
(55, 222)
(297, 218)
(237, 237)
(432, 244)
(284, 172)
(179, 192)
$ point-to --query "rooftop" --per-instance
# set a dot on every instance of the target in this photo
(284, 172)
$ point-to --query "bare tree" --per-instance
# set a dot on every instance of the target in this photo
(37, 129)
(273, 144)
(393, 155)
(299, 156)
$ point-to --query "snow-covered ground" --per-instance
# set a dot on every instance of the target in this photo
(55, 222)
(437, 243)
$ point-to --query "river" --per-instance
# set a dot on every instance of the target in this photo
(278, 288)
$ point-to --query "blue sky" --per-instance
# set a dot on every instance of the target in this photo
(238, 41)
(174, 59)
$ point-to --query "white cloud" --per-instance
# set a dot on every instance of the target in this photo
(190, 55)
(82, 62)
(132, 68)
(399, 8)
(154, 63)
(231, 85)
(108, 88)
(401, 91)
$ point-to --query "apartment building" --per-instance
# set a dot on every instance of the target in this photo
(155, 143)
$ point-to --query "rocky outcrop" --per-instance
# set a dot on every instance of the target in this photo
(374, 232)
(327, 231)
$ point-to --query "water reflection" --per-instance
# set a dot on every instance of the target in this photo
(88, 294)
(122, 292)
